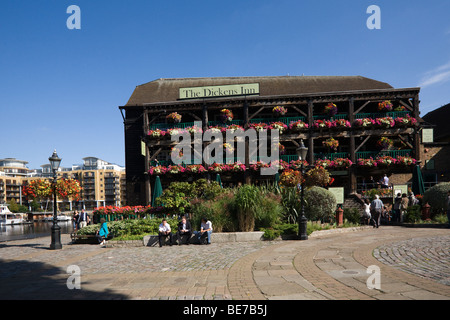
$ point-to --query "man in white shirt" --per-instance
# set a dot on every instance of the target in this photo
(385, 182)
(83, 219)
(205, 230)
(164, 231)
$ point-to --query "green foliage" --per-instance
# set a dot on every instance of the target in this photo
(280, 230)
(320, 204)
(220, 211)
(290, 201)
(413, 214)
(177, 197)
(13, 206)
(130, 227)
(247, 200)
(436, 197)
(241, 209)
(352, 215)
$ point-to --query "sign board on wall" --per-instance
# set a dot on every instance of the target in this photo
(219, 91)
(338, 193)
(427, 135)
(400, 188)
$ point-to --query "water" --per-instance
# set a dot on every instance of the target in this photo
(33, 230)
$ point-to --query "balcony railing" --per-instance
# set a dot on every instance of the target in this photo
(285, 120)
(317, 156)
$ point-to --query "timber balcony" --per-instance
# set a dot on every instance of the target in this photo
(286, 120)
(368, 127)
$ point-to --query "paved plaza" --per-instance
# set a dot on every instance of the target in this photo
(410, 264)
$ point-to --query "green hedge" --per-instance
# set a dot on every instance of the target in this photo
(130, 227)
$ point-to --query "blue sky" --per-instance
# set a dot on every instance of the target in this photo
(61, 88)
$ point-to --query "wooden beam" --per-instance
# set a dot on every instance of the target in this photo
(406, 106)
(194, 116)
(154, 155)
(362, 143)
(253, 115)
(300, 111)
(362, 107)
(406, 142)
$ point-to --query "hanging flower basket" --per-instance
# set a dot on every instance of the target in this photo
(174, 117)
(385, 143)
(331, 143)
(226, 115)
(385, 106)
(331, 109)
(279, 111)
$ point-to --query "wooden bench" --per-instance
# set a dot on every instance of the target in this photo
(87, 238)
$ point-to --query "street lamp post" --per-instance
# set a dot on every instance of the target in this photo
(302, 151)
(56, 229)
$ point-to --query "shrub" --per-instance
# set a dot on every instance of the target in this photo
(220, 211)
(130, 227)
(320, 204)
(248, 198)
(413, 214)
(177, 197)
(291, 204)
(269, 211)
(436, 197)
(241, 209)
(352, 215)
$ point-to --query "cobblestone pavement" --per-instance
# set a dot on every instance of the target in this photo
(413, 264)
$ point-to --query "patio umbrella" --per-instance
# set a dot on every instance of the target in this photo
(418, 187)
(219, 180)
(157, 190)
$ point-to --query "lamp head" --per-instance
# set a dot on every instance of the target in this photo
(302, 151)
(55, 161)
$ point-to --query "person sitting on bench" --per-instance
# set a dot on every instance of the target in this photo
(205, 230)
(164, 231)
(102, 234)
(184, 229)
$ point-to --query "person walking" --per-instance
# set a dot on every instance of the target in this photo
(376, 208)
(82, 219)
(367, 215)
(102, 234)
(75, 220)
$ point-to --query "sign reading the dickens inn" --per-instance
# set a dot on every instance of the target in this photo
(219, 91)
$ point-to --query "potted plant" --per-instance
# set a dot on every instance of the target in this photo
(331, 143)
(331, 109)
(174, 117)
(226, 115)
(385, 143)
(279, 111)
(385, 106)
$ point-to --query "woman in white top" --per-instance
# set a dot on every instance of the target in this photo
(367, 214)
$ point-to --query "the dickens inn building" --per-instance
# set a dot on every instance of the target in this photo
(358, 128)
